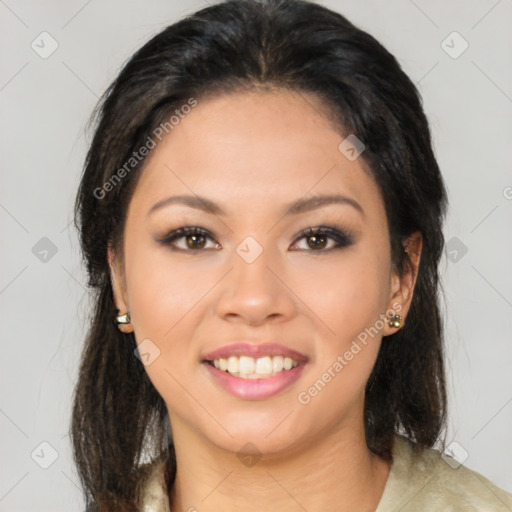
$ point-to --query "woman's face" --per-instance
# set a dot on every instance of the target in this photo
(255, 276)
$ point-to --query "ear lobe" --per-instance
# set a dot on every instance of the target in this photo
(402, 287)
(117, 281)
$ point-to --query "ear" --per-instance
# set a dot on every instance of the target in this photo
(402, 288)
(118, 288)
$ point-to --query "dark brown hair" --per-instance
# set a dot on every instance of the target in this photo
(119, 420)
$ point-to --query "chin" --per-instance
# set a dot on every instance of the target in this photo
(267, 435)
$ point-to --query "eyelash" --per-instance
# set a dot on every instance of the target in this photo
(342, 238)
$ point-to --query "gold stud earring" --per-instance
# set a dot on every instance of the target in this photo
(123, 319)
(395, 321)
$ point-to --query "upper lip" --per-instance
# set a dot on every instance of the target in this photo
(255, 351)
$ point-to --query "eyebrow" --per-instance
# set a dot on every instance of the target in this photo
(297, 207)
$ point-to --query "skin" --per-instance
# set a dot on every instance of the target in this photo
(252, 153)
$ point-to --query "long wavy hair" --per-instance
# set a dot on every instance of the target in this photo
(119, 421)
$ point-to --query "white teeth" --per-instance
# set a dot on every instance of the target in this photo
(247, 367)
(232, 364)
(246, 364)
(277, 364)
(264, 366)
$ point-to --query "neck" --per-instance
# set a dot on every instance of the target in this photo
(336, 473)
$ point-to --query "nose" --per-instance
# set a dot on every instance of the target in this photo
(255, 291)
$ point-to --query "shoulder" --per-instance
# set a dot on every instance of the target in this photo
(424, 481)
(419, 481)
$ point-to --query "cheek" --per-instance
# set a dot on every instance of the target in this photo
(164, 297)
(347, 293)
(348, 296)
(348, 308)
(163, 290)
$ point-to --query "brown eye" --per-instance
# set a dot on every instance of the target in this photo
(195, 241)
(318, 238)
(317, 241)
(195, 238)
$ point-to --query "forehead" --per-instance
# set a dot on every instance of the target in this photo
(265, 147)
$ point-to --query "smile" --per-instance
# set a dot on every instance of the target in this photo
(254, 386)
(245, 367)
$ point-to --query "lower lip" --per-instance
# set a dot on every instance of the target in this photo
(254, 389)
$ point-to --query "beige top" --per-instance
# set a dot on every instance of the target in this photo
(422, 483)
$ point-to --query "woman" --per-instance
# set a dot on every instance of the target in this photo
(261, 217)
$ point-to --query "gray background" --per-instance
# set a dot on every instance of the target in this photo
(45, 104)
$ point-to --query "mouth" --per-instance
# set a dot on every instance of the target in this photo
(254, 372)
(245, 367)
